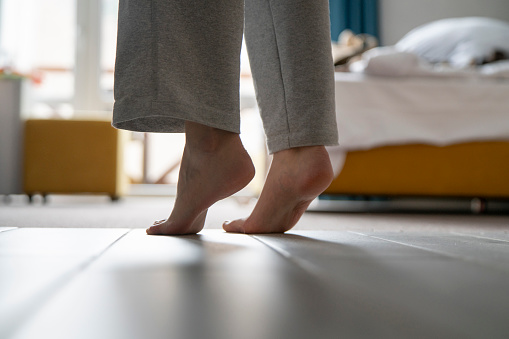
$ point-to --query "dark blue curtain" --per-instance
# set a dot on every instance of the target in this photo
(361, 16)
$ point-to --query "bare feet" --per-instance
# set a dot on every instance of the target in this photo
(296, 177)
(214, 166)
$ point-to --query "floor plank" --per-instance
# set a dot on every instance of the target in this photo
(407, 292)
(305, 284)
(36, 263)
(487, 251)
(213, 285)
(2, 229)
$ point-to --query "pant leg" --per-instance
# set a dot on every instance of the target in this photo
(177, 61)
(289, 47)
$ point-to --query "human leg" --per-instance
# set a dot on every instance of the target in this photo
(177, 70)
(214, 166)
(178, 61)
(289, 49)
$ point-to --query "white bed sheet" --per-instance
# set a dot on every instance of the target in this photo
(374, 111)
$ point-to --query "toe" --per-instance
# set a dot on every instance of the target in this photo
(154, 230)
(233, 226)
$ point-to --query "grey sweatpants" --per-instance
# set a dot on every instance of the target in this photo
(179, 60)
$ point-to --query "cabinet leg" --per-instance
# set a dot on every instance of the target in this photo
(478, 205)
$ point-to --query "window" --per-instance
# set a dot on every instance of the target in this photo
(67, 45)
(109, 14)
(39, 38)
(70, 45)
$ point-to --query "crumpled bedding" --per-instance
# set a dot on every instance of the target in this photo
(391, 62)
(460, 42)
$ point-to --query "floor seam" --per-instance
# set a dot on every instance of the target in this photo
(7, 229)
(19, 320)
(445, 254)
(480, 237)
(301, 264)
(96, 257)
(441, 253)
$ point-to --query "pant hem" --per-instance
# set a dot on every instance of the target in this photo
(146, 115)
(283, 142)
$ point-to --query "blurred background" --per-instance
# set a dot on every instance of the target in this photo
(65, 51)
(61, 54)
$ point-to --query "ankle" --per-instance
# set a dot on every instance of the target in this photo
(312, 165)
(308, 155)
(206, 139)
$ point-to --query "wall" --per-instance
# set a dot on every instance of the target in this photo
(397, 17)
(11, 137)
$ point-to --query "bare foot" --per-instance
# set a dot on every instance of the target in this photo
(214, 166)
(296, 177)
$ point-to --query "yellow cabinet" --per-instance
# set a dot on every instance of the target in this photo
(74, 156)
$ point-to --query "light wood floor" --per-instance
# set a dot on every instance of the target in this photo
(369, 277)
(117, 283)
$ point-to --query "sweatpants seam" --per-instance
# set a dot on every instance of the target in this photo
(155, 52)
(280, 70)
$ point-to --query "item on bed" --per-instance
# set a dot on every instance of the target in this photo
(461, 42)
(458, 47)
(350, 45)
(388, 61)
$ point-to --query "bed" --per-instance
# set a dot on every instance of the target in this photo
(415, 128)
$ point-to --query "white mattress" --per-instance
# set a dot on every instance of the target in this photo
(375, 111)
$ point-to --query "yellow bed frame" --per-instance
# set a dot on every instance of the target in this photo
(476, 169)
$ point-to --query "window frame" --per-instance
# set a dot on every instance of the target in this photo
(88, 95)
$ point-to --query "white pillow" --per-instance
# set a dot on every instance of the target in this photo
(459, 41)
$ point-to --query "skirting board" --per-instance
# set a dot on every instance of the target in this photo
(366, 204)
